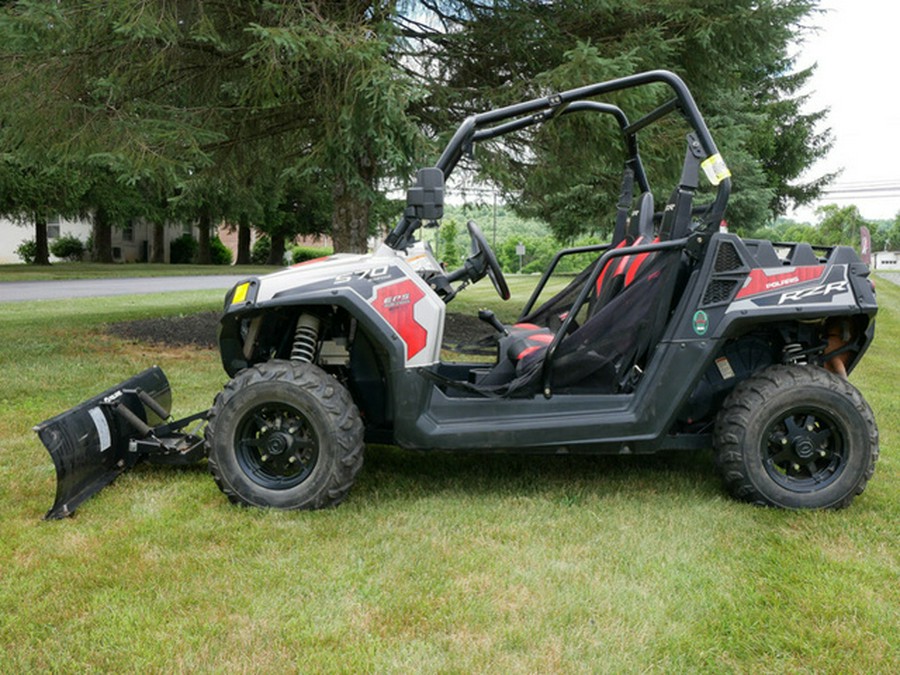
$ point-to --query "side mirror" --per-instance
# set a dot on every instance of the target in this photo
(426, 197)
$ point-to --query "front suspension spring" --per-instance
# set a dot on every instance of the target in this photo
(306, 338)
(794, 353)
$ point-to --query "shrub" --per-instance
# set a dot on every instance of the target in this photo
(182, 250)
(68, 247)
(27, 251)
(452, 251)
(301, 254)
(260, 253)
(220, 253)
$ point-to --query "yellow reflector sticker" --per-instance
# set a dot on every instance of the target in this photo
(715, 168)
(240, 293)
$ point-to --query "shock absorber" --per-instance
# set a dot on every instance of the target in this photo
(306, 337)
(794, 353)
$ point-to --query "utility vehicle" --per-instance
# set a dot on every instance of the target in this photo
(678, 335)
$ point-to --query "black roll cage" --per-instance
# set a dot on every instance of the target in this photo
(487, 125)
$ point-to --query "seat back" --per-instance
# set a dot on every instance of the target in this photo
(613, 278)
(640, 222)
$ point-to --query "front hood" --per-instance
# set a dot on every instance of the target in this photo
(310, 272)
(256, 290)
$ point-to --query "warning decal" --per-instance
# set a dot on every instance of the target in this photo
(102, 426)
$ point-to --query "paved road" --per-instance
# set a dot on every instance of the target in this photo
(26, 291)
(890, 276)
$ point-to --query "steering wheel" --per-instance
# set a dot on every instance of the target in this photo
(480, 248)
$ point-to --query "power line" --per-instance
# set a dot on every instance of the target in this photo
(842, 197)
(866, 183)
(863, 190)
(886, 188)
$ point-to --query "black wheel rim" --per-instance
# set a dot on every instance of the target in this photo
(276, 446)
(804, 450)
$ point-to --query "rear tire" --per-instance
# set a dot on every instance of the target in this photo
(796, 437)
(285, 435)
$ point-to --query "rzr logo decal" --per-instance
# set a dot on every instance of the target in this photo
(816, 291)
(818, 284)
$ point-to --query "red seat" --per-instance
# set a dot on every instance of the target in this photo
(525, 339)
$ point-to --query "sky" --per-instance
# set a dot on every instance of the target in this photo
(857, 49)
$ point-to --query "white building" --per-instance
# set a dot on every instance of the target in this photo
(129, 244)
(886, 260)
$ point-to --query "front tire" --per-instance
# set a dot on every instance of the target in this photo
(796, 437)
(285, 435)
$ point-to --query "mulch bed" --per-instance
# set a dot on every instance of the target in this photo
(200, 330)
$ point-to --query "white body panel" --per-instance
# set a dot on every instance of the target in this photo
(388, 282)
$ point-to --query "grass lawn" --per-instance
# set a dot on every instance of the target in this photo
(98, 271)
(435, 562)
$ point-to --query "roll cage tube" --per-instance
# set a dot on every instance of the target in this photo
(548, 273)
(634, 159)
(491, 124)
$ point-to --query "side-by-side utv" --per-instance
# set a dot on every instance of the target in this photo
(678, 335)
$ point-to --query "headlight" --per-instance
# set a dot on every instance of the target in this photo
(242, 295)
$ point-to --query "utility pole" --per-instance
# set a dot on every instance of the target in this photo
(494, 242)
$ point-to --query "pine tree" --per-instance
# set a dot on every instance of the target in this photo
(191, 91)
(734, 55)
(339, 95)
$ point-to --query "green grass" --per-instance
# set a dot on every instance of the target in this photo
(436, 562)
(59, 271)
(482, 294)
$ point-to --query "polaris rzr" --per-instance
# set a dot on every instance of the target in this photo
(678, 335)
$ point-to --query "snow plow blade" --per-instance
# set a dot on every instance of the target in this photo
(94, 442)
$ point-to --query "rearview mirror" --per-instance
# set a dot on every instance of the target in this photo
(426, 197)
